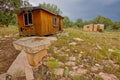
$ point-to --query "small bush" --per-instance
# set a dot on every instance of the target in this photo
(53, 64)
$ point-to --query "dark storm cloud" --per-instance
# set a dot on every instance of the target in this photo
(86, 9)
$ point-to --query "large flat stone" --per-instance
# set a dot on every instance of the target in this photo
(32, 44)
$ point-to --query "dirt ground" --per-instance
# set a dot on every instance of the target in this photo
(7, 54)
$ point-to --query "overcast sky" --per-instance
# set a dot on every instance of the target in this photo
(86, 9)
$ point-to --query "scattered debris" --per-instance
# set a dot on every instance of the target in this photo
(65, 55)
(110, 63)
(78, 39)
(72, 43)
(81, 71)
(98, 46)
(67, 50)
(70, 63)
(94, 74)
(111, 50)
(63, 34)
(41, 73)
(16, 35)
(81, 52)
(96, 67)
(66, 72)
(72, 58)
(75, 51)
(63, 78)
(78, 72)
(9, 36)
(75, 67)
(61, 64)
(81, 66)
(80, 55)
(107, 76)
(59, 71)
(1, 37)
(51, 39)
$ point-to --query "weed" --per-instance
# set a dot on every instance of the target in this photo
(53, 64)
(8, 30)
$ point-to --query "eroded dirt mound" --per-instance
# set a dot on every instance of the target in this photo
(7, 54)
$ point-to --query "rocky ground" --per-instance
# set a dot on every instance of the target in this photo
(76, 55)
(7, 52)
(82, 55)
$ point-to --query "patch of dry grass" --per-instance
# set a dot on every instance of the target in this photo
(95, 47)
(8, 30)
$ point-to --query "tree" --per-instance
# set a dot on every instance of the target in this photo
(79, 23)
(102, 20)
(67, 22)
(115, 25)
(8, 8)
(51, 7)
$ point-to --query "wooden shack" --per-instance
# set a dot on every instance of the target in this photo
(93, 27)
(39, 21)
